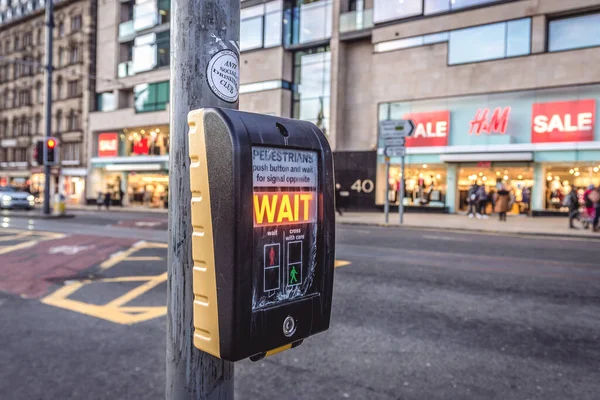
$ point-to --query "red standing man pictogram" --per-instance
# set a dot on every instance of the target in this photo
(272, 257)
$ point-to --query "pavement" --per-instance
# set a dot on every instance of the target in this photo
(516, 224)
(417, 314)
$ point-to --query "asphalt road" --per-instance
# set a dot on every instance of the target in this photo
(417, 314)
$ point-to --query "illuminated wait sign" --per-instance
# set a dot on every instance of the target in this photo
(283, 208)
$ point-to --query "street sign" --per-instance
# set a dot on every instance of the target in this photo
(391, 142)
(263, 232)
(395, 151)
(399, 128)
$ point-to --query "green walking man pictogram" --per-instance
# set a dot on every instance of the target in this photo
(293, 275)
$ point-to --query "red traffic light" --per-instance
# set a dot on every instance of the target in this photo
(51, 143)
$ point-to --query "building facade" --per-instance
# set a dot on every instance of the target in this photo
(22, 95)
(503, 91)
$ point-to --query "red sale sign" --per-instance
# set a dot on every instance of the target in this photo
(108, 144)
(564, 121)
(431, 129)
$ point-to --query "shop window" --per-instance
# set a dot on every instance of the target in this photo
(490, 42)
(425, 185)
(562, 178)
(151, 97)
(145, 141)
(261, 26)
(312, 86)
(574, 33)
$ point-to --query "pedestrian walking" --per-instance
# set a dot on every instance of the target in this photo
(482, 199)
(502, 202)
(595, 197)
(473, 200)
(588, 202)
(107, 199)
(338, 198)
(100, 200)
(572, 201)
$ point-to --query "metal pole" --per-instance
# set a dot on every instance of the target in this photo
(199, 29)
(401, 208)
(48, 104)
(387, 190)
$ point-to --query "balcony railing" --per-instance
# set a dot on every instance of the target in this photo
(125, 69)
(126, 30)
(356, 20)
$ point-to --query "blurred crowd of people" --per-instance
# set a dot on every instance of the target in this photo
(501, 198)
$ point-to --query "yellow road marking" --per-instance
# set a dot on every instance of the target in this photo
(149, 258)
(341, 263)
(138, 291)
(18, 235)
(113, 311)
(19, 246)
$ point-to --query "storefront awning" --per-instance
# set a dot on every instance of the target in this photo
(476, 157)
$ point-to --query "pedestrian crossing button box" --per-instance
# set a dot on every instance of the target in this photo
(263, 232)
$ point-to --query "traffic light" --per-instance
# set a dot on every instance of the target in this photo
(51, 154)
(263, 232)
(38, 152)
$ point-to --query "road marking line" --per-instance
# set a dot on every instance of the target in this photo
(113, 311)
(19, 246)
(138, 291)
(341, 263)
(16, 236)
(142, 258)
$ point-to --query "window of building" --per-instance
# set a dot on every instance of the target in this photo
(38, 121)
(151, 97)
(17, 46)
(490, 42)
(39, 36)
(73, 88)
(387, 10)
(15, 127)
(28, 39)
(75, 56)
(312, 86)
(3, 128)
(308, 21)
(164, 11)
(24, 97)
(61, 56)
(145, 15)
(76, 23)
(151, 51)
(261, 26)
(70, 151)
(38, 93)
(73, 121)
(163, 48)
(59, 121)
(574, 33)
(106, 101)
(414, 41)
(25, 126)
(59, 87)
(265, 85)
(440, 6)
(21, 154)
(61, 29)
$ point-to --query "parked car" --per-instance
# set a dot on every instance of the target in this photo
(11, 198)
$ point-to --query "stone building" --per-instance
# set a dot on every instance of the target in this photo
(22, 94)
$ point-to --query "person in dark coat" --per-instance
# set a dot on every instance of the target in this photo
(107, 199)
(572, 202)
(502, 202)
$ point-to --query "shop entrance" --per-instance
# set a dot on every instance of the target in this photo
(149, 190)
(518, 180)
